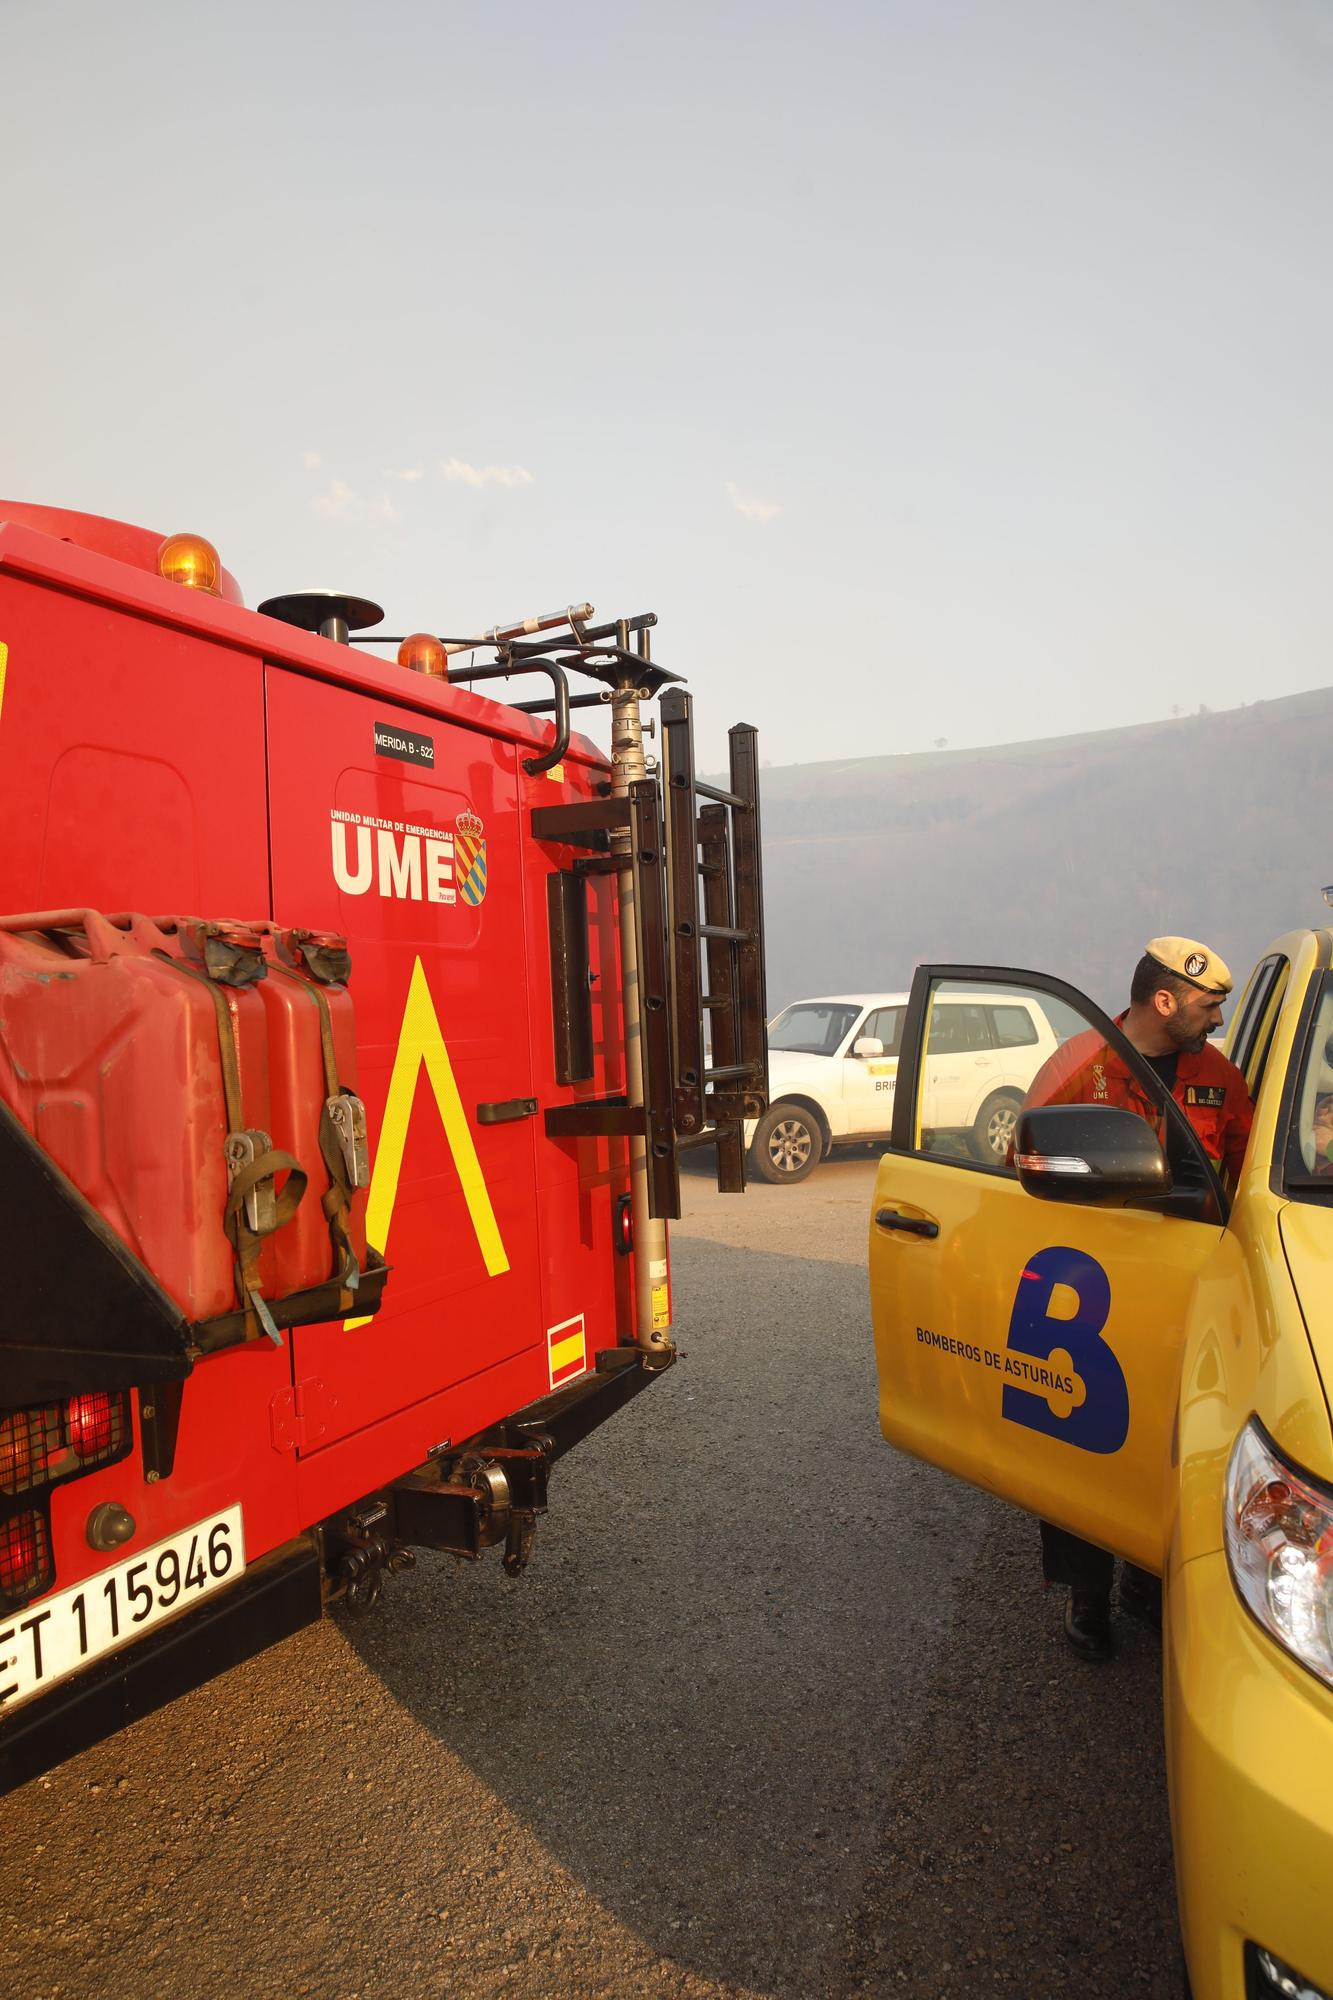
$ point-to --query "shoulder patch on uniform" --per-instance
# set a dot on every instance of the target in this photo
(1208, 1094)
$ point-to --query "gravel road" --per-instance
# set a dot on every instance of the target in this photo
(774, 1712)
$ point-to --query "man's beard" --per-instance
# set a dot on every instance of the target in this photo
(1186, 1041)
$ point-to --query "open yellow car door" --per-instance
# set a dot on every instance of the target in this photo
(1032, 1346)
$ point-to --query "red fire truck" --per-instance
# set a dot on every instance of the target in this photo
(352, 1025)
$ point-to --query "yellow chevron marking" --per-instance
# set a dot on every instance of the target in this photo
(420, 1043)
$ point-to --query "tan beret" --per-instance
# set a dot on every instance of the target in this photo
(1189, 959)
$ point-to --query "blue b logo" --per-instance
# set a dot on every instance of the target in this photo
(1101, 1421)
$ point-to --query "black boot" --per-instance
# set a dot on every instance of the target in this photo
(1141, 1595)
(1088, 1623)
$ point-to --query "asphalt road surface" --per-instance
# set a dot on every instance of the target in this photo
(774, 1711)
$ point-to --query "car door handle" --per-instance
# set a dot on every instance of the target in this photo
(915, 1225)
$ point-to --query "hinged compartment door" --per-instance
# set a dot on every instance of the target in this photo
(131, 761)
(402, 832)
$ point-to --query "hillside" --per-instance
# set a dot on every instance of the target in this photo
(1065, 854)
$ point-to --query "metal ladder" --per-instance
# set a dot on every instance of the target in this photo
(698, 910)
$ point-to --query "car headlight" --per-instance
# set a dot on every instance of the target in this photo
(1265, 1975)
(1279, 1536)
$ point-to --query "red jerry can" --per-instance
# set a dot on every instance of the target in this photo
(316, 1113)
(147, 1084)
(294, 982)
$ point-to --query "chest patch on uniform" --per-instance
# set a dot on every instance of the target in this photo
(1209, 1094)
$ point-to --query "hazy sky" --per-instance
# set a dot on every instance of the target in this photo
(934, 368)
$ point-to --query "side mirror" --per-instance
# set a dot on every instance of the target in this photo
(868, 1045)
(1092, 1154)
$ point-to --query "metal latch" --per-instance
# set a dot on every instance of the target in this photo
(242, 1149)
(347, 1115)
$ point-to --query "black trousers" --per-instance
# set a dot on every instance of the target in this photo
(1081, 1565)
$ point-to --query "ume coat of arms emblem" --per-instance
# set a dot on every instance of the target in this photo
(470, 862)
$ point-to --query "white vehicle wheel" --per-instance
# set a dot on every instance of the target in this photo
(787, 1144)
(994, 1128)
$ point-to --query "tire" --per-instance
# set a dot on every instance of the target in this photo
(995, 1127)
(788, 1144)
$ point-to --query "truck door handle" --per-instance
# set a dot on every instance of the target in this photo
(502, 1112)
(915, 1225)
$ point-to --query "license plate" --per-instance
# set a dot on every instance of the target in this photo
(58, 1635)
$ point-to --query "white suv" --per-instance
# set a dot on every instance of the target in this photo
(833, 1064)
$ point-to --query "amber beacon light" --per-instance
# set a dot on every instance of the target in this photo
(424, 654)
(191, 560)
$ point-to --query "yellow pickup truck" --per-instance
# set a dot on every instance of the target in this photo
(1105, 1334)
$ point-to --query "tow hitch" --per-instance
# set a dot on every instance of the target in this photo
(469, 1503)
(488, 1490)
(368, 1555)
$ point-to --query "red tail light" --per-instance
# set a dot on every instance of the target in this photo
(24, 1449)
(25, 1555)
(94, 1424)
(624, 1229)
(41, 1449)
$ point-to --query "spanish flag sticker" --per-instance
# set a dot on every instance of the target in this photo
(567, 1350)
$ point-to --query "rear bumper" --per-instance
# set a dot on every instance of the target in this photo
(1250, 1745)
(568, 1415)
(280, 1594)
(494, 1487)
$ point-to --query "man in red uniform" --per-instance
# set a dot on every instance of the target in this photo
(1175, 1004)
(1170, 1016)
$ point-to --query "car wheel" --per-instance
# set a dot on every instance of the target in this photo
(787, 1144)
(995, 1127)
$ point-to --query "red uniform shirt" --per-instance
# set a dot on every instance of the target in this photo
(1209, 1090)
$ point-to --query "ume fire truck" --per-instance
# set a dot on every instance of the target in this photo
(352, 1025)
